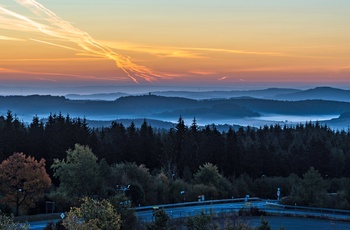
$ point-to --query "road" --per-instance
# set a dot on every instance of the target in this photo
(289, 223)
(298, 223)
(39, 225)
(194, 210)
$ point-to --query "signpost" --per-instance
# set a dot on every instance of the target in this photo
(123, 188)
(49, 206)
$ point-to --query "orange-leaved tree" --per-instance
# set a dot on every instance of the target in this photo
(23, 181)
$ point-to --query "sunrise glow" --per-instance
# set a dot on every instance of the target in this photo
(174, 42)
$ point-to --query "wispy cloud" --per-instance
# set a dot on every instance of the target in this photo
(234, 51)
(10, 38)
(201, 72)
(53, 44)
(181, 52)
(159, 51)
(16, 71)
(290, 69)
(50, 59)
(223, 78)
(52, 26)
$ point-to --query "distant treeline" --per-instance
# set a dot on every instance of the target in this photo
(266, 151)
(159, 107)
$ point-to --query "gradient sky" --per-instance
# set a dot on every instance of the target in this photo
(183, 42)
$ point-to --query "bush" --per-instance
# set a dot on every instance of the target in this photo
(161, 220)
(122, 206)
(93, 214)
(55, 226)
(7, 223)
(202, 221)
(250, 211)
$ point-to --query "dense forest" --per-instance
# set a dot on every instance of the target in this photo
(268, 150)
(307, 161)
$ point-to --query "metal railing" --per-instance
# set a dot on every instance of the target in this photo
(196, 203)
(306, 209)
(269, 208)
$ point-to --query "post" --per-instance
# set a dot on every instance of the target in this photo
(183, 194)
(17, 201)
(278, 193)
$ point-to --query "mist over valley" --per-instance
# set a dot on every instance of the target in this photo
(254, 108)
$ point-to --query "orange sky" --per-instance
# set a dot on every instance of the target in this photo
(175, 42)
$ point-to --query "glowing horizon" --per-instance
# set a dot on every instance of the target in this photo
(174, 43)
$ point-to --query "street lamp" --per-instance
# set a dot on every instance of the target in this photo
(17, 201)
(183, 194)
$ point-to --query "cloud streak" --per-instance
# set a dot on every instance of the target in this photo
(10, 38)
(64, 32)
(182, 52)
(16, 71)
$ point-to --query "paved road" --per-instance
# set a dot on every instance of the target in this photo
(289, 223)
(194, 210)
(297, 223)
(40, 224)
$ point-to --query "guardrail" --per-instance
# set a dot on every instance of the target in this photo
(270, 209)
(309, 209)
(196, 203)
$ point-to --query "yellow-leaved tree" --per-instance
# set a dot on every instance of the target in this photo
(93, 214)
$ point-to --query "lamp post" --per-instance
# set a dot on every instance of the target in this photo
(183, 195)
(17, 201)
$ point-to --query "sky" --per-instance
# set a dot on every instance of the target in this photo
(199, 43)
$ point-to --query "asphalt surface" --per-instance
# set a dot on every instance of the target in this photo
(294, 222)
(39, 225)
(298, 223)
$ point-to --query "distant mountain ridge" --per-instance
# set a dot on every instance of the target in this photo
(321, 93)
(263, 93)
(318, 93)
(157, 106)
(96, 96)
(215, 110)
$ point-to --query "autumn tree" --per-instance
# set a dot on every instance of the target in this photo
(23, 180)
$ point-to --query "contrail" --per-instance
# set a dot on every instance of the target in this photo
(64, 31)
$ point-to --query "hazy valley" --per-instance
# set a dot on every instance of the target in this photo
(163, 108)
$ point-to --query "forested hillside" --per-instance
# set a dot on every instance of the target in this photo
(270, 151)
(159, 107)
(308, 162)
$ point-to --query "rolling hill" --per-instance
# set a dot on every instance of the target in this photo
(150, 106)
